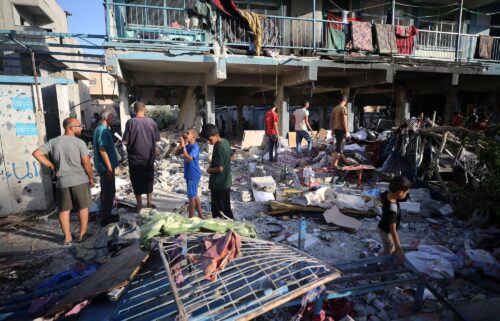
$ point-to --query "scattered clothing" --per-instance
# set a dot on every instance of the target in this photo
(385, 39)
(220, 250)
(405, 39)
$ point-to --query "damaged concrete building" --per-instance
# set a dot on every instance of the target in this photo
(207, 59)
(35, 106)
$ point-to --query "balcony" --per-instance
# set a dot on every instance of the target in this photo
(170, 24)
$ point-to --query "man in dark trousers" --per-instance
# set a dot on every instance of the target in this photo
(271, 123)
(140, 136)
(105, 162)
(220, 172)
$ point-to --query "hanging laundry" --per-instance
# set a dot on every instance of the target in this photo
(495, 50)
(220, 250)
(385, 39)
(335, 35)
(360, 36)
(484, 47)
(405, 39)
(254, 24)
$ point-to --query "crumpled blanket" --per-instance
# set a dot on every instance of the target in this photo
(220, 250)
(171, 224)
(254, 24)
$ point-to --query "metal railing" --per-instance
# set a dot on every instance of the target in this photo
(153, 23)
(169, 23)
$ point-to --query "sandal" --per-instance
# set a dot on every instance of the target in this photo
(67, 243)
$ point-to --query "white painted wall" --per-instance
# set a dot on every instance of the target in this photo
(24, 186)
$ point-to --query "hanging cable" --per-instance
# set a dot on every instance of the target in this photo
(481, 13)
(371, 7)
(430, 16)
(426, 7)
(336, 5)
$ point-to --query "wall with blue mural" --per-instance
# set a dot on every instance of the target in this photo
(24, 186)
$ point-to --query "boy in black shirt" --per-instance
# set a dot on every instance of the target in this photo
(391, 216)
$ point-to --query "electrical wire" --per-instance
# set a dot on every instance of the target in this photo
(481, 13)
(430, 16)
(336, 5)
(426, 7)
(371, 7)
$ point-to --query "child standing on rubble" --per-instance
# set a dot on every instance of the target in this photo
(220, 172)
(192, 173)
(391, 216)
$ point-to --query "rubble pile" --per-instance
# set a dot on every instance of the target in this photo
(330, 213)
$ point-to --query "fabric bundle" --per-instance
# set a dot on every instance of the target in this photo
(360, 36)
(220, 250)
(405, 40)
(385, 39)
(484, 47)
(254, 24)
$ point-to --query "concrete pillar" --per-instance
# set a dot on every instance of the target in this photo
(450, 106)
(282, 110)
(239, 120)
(402, 106)
(210, 104)
(323, 117)
(124, 107)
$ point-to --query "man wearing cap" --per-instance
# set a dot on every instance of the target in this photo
(220, 172)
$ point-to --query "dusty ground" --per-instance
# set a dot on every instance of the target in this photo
(31, 250)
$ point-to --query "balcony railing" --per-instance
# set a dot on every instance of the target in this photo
(171, 24)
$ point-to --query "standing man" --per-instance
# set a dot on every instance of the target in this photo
(338, 123)
(220, 172)
(302, 127)
(140, 136)
(473, 119)
(272, 133)
(74, 175)
(105, 162)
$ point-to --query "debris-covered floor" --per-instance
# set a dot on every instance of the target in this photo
(457, 255)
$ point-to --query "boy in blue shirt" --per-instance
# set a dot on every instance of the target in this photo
(191, 151)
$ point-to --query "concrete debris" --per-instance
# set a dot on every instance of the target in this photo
(341, 209)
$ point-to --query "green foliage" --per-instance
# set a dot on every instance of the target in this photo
(488, 171)
(163, 117)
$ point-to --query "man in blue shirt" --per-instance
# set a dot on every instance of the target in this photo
(191, 153)
(105, 162)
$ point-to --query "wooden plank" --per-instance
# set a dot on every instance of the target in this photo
(252, 138)
(117, 272)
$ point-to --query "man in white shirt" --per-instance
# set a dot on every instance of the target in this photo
(302, 128)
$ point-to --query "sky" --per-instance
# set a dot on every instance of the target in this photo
(87, 16)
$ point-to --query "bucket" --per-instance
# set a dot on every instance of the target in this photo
(251, 167)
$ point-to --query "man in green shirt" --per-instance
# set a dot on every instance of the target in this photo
(105, 162)
(220, 172)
